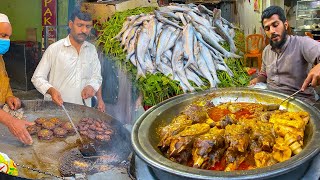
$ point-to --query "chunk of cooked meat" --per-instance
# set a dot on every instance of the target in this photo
(263, 159)
(197, 114)
(233, 162)
(236, 136)
(185, 138)
(271, 107)
(204, 144)
(177, 125)
(262, 133)
(226, 120)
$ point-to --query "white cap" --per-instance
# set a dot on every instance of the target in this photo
(4, 18)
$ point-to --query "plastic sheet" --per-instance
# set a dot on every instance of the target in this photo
(118, 92)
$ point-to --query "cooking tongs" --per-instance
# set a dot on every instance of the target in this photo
(87, 149)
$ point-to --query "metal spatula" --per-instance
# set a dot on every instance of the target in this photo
(87, 149)
(292, 95)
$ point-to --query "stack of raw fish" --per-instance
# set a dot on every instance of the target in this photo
(181, 41)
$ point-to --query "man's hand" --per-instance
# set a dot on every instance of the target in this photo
(56, 96)
(254, 81)
(312, 78)
(14, 103)
(18, 128)
(101, 106)
(87, 92)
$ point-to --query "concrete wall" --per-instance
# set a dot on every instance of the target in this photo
(23, 14)
(249, 19)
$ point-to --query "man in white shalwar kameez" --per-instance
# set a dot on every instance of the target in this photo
(69, 70)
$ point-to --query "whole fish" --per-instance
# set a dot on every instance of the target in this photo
(177, 63)
(182, 19)
(140, 71)
(172, 39)
(205, 10)
(168, 54)
(165, 20)
(203, 67)
(199, 19)
(169, 14)
(204, 51)
(132, 44)
(131, 34)
(149, 64)
(188, 44)
(220, 64)
(162, 42)
(177, 8)
(210, 40)
(143, 40)
(152, 29)
(194, 77)
(125, 25)
(218, 23)
(165, 69)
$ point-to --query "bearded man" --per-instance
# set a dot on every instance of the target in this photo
(289, 63)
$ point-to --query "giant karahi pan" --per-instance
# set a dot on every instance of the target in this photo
(60, 156)
(145, 138)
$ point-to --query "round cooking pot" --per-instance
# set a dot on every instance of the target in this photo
(145, 138)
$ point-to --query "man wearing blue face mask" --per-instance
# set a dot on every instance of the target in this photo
(16, 126)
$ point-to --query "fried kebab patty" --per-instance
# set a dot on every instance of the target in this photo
(68, 126)
(60, 132)
(33, 129)
(45, 134)
(56, 121)
(40, 121)
(48, 125)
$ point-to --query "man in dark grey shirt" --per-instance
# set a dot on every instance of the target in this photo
(288, 60)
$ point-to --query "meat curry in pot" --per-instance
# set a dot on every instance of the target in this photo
(233, 136)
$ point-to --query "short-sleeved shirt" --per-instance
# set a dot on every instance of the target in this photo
(287, 70)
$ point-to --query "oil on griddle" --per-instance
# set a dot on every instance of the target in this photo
(113, 142)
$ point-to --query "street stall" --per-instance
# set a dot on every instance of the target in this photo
(183, 63)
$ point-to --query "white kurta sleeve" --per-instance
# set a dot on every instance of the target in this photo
(40, 75)
(96, 78)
